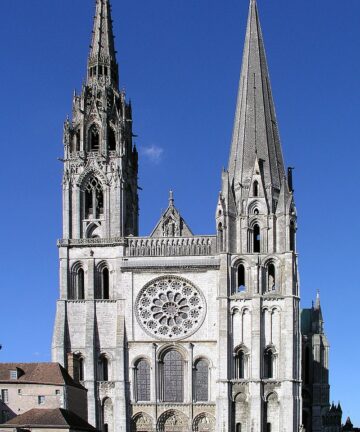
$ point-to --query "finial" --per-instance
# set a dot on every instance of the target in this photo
(171, 198)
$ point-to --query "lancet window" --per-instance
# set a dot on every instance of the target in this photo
(172, 377)
(256, 239)
(94, 199)
(268, 363)
(111, 139)
(142, 381)
(77, 283)
(201, 381)
(241, 278)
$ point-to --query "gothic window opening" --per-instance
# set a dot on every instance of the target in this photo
(241, 282)
(111, 139)
(240, 365)
(142, 381)
(201, 381)
(80, 282)
(172, 379)
(268, 364)
(94, 199)
(94, 139)
(105, 283)
(255, 189)
(271, 274)
(256, 238)
(104, 368)
(292, 236)
(238, 427)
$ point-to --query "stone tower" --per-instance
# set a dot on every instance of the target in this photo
(175, 331)
(259, 290)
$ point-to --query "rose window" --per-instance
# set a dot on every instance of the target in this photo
(170, 308)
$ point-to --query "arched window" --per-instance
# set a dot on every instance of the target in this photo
(256, 238)
(268, 364)
(105, 283)
(104, 368)
(238, 427)
(111, 139)
(292, 236)
(271, 278)
(172, 377)
(107, 415)
(201, 381)
(241, 280)
(94, 139)
(80, 284)
(94, 199)
(239, 368)
(255, 189)
(142, 381)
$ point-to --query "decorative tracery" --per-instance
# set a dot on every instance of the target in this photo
(170, 308)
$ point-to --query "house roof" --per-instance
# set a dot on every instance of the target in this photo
(37, 373)
(56, 418)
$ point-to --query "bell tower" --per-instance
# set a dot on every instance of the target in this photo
(100, 197)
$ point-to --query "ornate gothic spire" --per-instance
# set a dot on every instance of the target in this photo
(255, 131)
(102, 64)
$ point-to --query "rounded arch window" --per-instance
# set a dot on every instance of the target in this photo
(104, 368)
(256, 238)
(240, 278)
(271, 277)
(77, 285)
(268, 363)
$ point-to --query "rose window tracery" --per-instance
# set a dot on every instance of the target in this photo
(170, 308)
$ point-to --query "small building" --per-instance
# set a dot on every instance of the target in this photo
(24, 386)
(43, 420)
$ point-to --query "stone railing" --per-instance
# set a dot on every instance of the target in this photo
(151, 247)
(116, 241)
(171, 246)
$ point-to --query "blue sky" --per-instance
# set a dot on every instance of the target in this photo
(180, 63)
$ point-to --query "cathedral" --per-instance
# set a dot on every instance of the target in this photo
(176, 332)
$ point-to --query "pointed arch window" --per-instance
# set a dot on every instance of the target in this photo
(268, 364)
(256, 238)
(94, 139)
(81, 368)
(94, 199)
(241, 278)
(201, 381)
(142, 381)
(111, 139)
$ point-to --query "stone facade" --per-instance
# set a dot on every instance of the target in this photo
(178, 332)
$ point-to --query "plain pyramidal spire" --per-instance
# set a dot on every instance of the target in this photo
(102, 64)
(255, 130)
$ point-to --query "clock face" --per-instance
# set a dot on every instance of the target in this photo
(170, 308)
